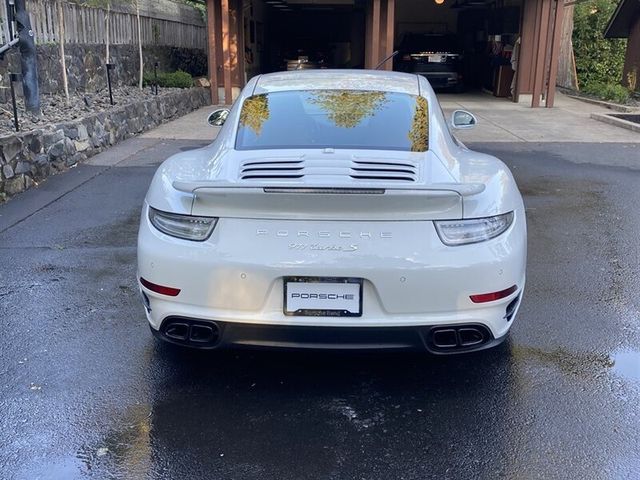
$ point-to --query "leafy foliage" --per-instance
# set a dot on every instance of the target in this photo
(107, 3)
(177, 79)
(419, 134)
(255, 111)
(598, 60)
(347, 108)
(607, 91)
(198, 4)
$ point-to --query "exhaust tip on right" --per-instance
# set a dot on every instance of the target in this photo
(461, 337)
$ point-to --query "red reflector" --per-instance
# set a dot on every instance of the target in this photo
(172, 292)
(491, 297)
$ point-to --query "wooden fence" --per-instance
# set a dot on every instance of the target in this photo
(88, 25)
(5, 36)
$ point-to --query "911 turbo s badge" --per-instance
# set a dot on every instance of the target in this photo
(323, 248)
(321, 234)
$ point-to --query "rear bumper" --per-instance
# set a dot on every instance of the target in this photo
(411, 280)
(438, 340)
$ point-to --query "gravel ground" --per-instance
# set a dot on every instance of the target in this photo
(55, 109)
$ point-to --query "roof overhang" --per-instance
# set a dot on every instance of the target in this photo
(622, 19)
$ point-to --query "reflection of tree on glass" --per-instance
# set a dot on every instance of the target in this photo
(419, 133)
(255, 111)
(347, 108)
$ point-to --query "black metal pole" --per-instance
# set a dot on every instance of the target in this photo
(14, 77)
(155, 74)
(109, 68)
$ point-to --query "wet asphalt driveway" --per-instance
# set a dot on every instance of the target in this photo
(85, 391)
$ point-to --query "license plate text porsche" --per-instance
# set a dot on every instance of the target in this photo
(323, 297)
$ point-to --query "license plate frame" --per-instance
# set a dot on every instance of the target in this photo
(321, 312)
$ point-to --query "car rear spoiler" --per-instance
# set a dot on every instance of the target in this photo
(435, 202)
(205, 187)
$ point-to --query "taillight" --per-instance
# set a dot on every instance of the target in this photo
(154, 287)
(492, 297)
(187, 227)
(472, 230)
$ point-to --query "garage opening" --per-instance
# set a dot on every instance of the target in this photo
(459, 45)
(304, 34)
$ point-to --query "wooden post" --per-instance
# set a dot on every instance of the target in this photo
(226, 53)
(368, 36)
(383, 32)
(234, 13)
(391, 18)
(555, 51)
(567, 76)
(240, 33)
(212, 51)
(375, 33)
(542, 27)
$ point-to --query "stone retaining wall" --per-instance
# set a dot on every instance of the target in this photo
(28, 157)
(86, 71)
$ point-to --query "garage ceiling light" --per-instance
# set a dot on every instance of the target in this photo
(439, 2)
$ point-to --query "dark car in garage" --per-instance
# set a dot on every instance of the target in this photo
(435, 56)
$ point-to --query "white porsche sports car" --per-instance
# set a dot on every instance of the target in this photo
(333, 210)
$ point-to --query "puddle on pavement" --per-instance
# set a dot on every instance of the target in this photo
(51, 469)
(124, 448)
(626, 363)
(574, 363)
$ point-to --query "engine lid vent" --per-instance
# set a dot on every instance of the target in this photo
(272, 169)
(383, 170)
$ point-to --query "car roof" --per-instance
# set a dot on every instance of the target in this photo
(377, 80)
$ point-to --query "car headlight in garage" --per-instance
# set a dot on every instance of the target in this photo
(187, 227)
(473, 230)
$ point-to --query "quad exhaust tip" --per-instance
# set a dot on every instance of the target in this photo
(188, 332)
(458, 337)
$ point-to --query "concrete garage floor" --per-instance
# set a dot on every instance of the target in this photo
(85, 391)
(503, 121)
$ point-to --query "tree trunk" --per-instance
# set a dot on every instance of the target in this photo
(567, 75)
(139, 44)
(63, 60)
(28, 59)
(107, 24)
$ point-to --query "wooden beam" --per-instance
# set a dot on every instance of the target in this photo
(226, 53)
(383, 30)
(555, 52)
(242, 68)
(234, 12)
(391, 19)
(375, 33)
(368, 36)
(212, 51)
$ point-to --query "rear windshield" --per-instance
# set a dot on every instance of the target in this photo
(334, 119)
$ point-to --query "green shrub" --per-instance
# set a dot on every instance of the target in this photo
(177, 79)
(607, 91)
(598, 60)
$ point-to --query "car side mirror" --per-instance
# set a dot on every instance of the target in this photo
(461, 120)
(218, 117)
